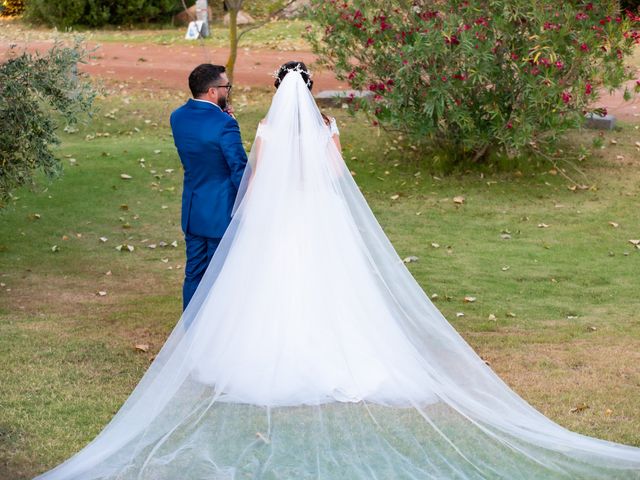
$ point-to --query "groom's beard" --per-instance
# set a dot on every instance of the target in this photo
(222, 102)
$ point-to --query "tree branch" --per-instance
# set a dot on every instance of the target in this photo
(264, 22)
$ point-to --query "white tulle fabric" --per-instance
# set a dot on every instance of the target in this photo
(309, 352)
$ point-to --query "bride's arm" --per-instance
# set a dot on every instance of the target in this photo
(335, 133)
(257, 147)
(336, 140)
(337, 162)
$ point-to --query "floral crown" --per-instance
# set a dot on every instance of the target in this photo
(298, 69)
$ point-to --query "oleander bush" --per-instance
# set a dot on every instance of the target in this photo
(477, 77)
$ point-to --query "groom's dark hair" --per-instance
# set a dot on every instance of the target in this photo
(204, 77)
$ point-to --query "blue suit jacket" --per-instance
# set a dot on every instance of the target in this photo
(210, 148)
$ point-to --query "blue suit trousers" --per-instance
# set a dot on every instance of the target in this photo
(200, 250)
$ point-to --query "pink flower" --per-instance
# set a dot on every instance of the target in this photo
(452, 40)
(584, 47)
(588, 88)
(581, 16)
(566, 97)
(559, 65)
(369, 41)
(509, 125)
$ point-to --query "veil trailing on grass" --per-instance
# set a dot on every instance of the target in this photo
(310, 352)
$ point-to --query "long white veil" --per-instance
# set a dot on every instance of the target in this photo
(310, 352)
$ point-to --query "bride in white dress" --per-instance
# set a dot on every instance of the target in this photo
(309, 352)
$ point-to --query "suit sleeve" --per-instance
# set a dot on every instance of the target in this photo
(233, 151)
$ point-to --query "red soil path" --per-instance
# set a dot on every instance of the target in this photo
(155, 66)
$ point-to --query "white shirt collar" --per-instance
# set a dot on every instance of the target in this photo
(206, 101)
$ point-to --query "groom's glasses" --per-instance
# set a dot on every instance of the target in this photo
(228, 86)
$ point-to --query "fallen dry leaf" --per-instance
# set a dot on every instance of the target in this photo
(614, 224)
(469, 299)
(124, 176)
(142, 347)
(579, 408)
(459, 200)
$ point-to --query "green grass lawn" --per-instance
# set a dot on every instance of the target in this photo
(281, 35)
(556, 310)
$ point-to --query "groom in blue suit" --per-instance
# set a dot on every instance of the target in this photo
(210, 149)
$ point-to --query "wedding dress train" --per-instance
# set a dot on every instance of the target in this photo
(310, 352)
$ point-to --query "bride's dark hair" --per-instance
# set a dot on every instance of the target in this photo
(304, 73)
(293, 65)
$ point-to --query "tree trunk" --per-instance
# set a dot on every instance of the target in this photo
(233, 38)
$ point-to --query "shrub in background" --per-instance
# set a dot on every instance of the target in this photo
(35, 92)
(98, 13)
(10, 8)
(476, 76)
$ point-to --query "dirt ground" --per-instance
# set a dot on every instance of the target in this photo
(167, 67)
